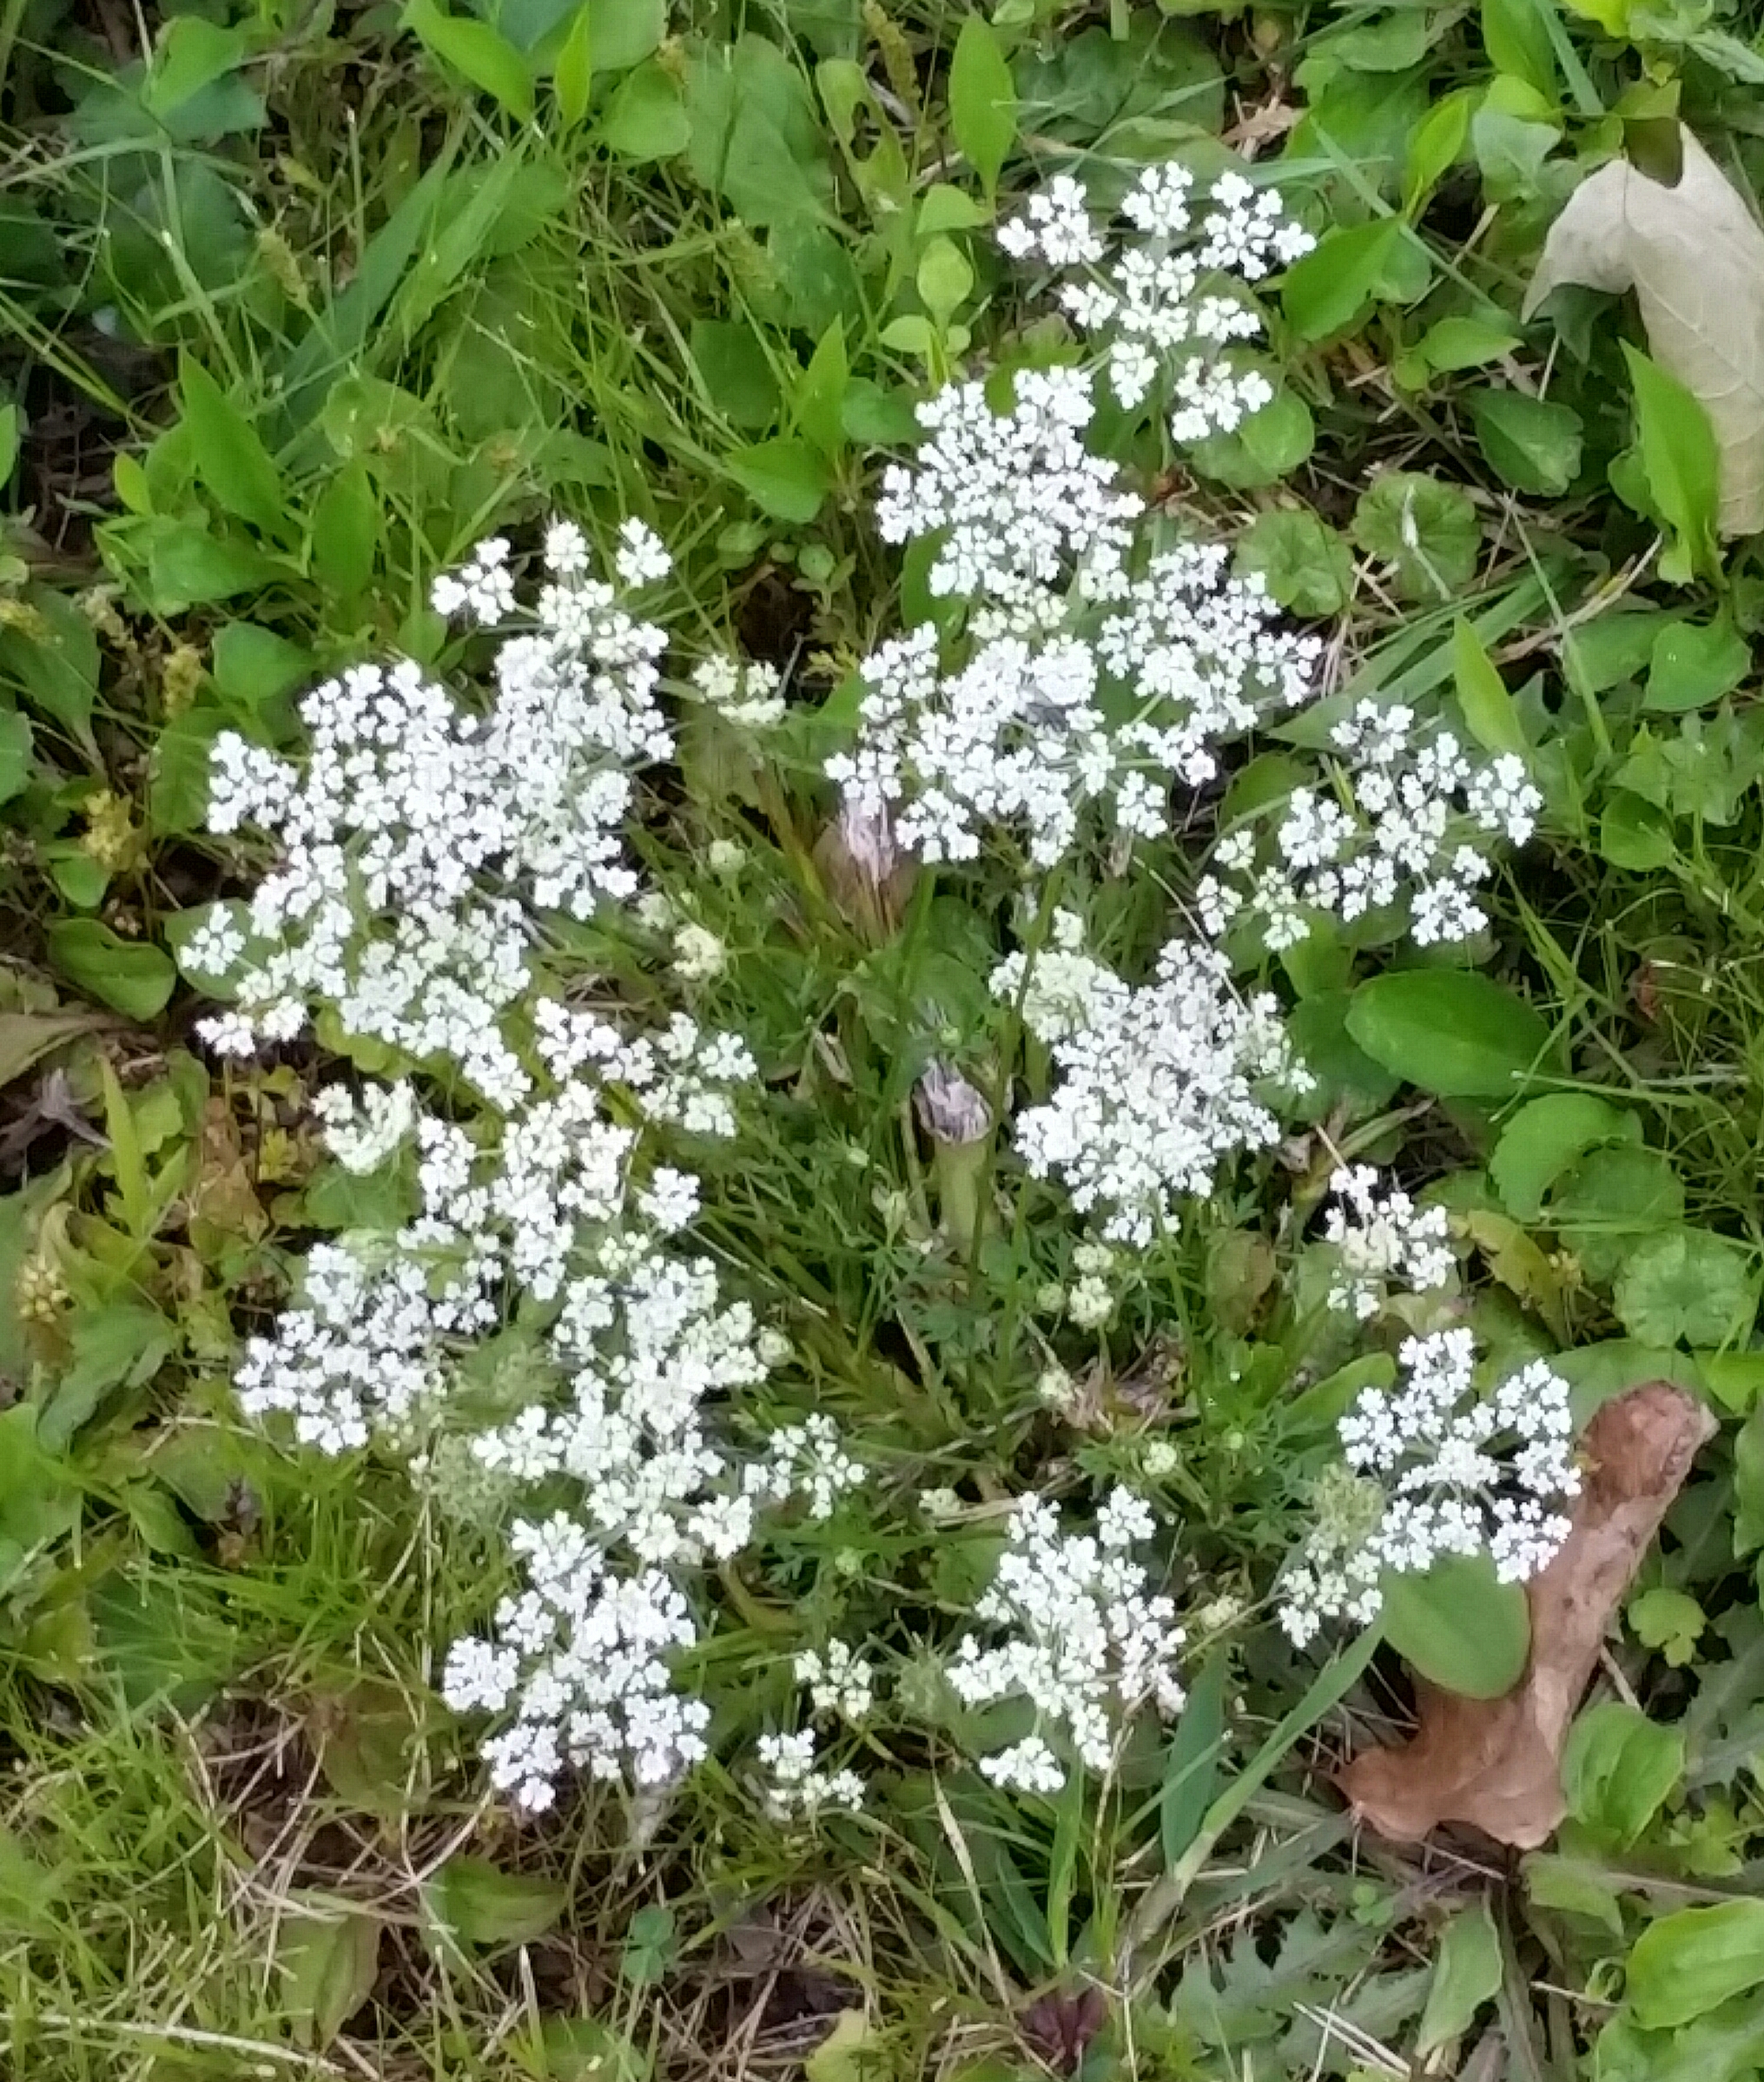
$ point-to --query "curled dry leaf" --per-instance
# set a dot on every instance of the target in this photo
(1495, 1763)
(1695, 257)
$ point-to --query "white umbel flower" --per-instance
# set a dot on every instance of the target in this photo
(1022, 736)
(1406, 828)
(1084, 1639)
(1382, 1238)
(1160, 1092)
(416, 834)
(1434, 1468)
(1176, 294)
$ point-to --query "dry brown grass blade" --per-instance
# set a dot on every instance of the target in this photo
(1495, 1762)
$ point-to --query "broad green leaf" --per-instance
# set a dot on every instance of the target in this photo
(1686, 1963)
(476, 1904)
(27, 1037)
(1457, 343)
(253, 668)
(16, 745)
(329, 1953)
(1307, 566)
(52, 659)
(583, 2049)
(1612, 15)
(1693, 664)
(1635, 835)
(1453, 1031)
(1459, 1625)
(9, 425)
(1670, 1620)
(1350, 268)
(1517, 38)
(1344, 1073)
(944, 278)
(1687, 1284)
(649, 1946)
(624, 32)
(756, 138)
(646, 118)
(1436, 144)
(851, 2051)
(1679, 458)
(785, 478)
(39, 1499)
(819, 402)
(177, 772)
(1466, 1974)
(1617, 1769)
(983, 99)
(734, 371)
(1695, 257)
(1425, 531)
(192, 53)
(1576, 1885)
(1543, 1138)
(122, 1345)
(1191, 1769)
(131, 976)
(1529, 443)
(1511, 148)
(1488, 710)
(189, 567)
(345, 532)
(229, 458)
(484, 55)
(572, 77)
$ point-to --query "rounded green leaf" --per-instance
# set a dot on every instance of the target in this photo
(1687, 1284)
(133, 978)
(1459, 1626)
(1541, 1139)
(1305, 565)
(1448, 1030)
(1426, 531)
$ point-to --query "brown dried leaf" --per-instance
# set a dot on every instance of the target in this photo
(1495, 1763)
(1695, 257)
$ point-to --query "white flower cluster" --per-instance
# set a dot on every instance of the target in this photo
(420, 841)
(1087, 1644)
(1381, 1237)
(1062, 988)
(1175, 295)
(1435, 1468)
(746, 691)
(583, 1651)
(1158, 1091)
(1019, 500)
(1405, 829)
(417, 837)
(798, 1786)
(1022, 735)
(840, 1681)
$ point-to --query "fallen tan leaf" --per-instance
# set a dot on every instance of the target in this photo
(1695, 257)
(1495, 1763)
